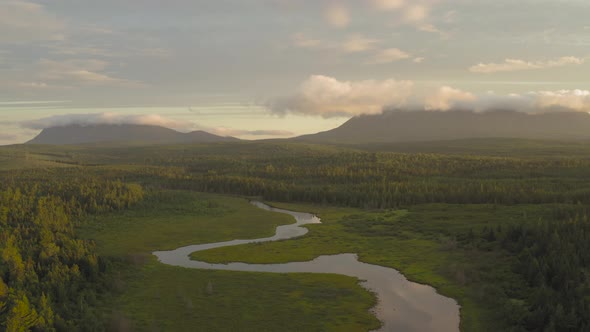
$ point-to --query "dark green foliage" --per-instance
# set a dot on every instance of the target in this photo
(554, 259)
(49, 278)
(549, 288)
(532, 270)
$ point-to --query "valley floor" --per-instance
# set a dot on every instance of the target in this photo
(153, 296)
(501, 226)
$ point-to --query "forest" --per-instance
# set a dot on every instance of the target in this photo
(51, 279)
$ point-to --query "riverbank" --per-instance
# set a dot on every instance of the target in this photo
(418, 242)
(150, 295)
(402, 305)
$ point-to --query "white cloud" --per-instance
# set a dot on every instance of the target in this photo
(446, 97)
(68, 48)
(111, 118)
(80, 71)
(337, 15)
(577, 100)
(416, 13)
(358, 43)
(418, 60)
(327, 97)
(352, 44)
(427, 27)
(516, 65)
(23, 21)
(32, 102)
(530, 102)
(76, 50)
(301, 40)
(224, 131)
(410, 11)
(103, 118)
(387, 56)
(34, 85)
(388, 4)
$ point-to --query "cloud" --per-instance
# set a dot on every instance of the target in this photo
(416, 13)
(104, 118)
(530, 102)
(223, 131)
(301, 40)
(139, 119)
(79, 71)
(329, 97)
(337, 15)
(578, 100)
(33, 85)
(8, 137)
(354, 43)
(388, 4)
(517, 65)
(387, 56)
(427, 27)
(446, 97)
(23, 21)
(29, 103)
(358, 43)
(80, 49)
(418, 60)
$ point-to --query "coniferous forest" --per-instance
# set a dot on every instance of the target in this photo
(53, 279)
(49, 278)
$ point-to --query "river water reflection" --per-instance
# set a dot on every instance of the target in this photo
(402, 305)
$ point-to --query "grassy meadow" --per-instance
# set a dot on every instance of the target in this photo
(154, 296)
(419, 241)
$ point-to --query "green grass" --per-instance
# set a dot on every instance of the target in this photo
(154, 296)
(165, 298)
(418, 242)
(14, 158)
(171, 219)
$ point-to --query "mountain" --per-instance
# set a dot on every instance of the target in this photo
(125, 133)
(408, 126)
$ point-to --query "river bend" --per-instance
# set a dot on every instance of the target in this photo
(402, 305)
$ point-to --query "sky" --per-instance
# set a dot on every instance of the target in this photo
(280, 68)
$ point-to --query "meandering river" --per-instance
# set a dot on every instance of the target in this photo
(402, 305)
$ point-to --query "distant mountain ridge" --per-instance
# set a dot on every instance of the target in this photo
(413, 126)
(123, 133)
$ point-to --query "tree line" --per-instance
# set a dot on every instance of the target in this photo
(49, 278)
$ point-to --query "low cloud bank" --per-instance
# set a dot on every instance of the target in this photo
(223, 131)
(328, 97)
(103, 118)
(149, 120)
(531, 102)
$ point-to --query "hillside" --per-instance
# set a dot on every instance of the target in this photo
(77, 134)
(407, 126)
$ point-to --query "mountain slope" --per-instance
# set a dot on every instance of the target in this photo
(77, 134)
(410, 126)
